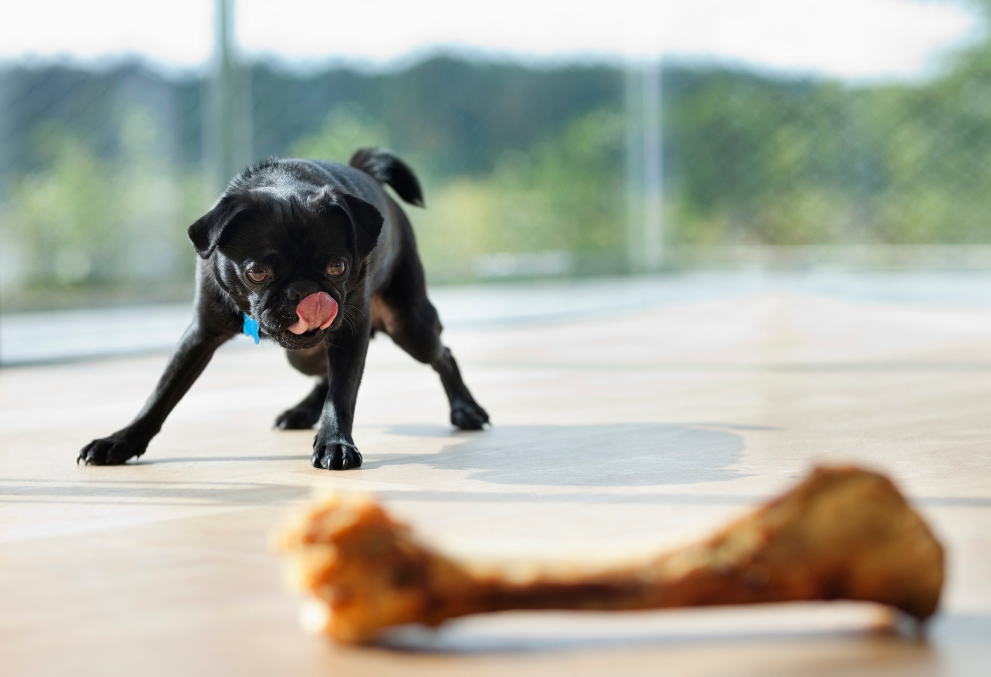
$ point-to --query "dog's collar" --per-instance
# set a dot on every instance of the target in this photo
(250, 327)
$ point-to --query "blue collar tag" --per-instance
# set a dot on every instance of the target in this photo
(250, 327)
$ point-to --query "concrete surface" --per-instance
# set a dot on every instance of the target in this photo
(618, 428)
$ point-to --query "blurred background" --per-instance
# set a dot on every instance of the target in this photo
(553, 139)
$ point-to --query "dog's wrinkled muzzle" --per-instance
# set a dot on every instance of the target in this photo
(316, 311)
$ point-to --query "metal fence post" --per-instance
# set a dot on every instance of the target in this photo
(644, 167)
(229, 124)
(634, 168)
(653, 176)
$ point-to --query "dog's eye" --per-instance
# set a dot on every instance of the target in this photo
(258, 274)
(336, 268)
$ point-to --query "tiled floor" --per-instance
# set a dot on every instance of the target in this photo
(618, 428)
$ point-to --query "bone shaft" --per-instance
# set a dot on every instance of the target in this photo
(592, 595)
(618, 592)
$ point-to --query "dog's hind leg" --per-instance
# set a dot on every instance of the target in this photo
(414, 326)
(466, 413)
(306, 414)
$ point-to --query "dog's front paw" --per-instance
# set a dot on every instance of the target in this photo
(113, 450)
(334, 454)
(297, 418)
(468, 415)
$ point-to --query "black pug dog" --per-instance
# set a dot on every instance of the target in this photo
(321, 258)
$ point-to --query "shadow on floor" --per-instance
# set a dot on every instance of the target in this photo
(635, 454)
(215, 459)
(490, 635)
(140, 492)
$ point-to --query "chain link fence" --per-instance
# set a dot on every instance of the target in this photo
(525, 170)
(99, 170)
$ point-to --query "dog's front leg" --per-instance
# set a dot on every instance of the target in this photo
(185, 364)
(333, 447)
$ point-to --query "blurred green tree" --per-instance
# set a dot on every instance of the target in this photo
(85, 223)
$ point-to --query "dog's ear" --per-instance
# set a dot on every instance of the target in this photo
(211, 229)
(367, 221)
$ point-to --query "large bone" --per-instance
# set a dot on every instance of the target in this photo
(843, 533)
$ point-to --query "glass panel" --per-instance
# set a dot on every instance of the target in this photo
(552, 139)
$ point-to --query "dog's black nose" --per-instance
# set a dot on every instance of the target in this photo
(297, 291)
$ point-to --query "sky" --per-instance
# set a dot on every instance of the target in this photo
(848, 39)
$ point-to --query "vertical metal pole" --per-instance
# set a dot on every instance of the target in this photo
(644, 167)
(226, 93)
(633, 85)
(229, 127)
(653, 178)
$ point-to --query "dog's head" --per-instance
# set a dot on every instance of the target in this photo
(289, 252)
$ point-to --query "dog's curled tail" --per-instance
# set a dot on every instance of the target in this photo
(387, 168)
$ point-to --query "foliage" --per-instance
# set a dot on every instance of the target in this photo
(512, 159)
(828, 165)
(87, 221)
(566, 194)
(345, 129)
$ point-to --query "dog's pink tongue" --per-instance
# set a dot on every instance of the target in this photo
(316, 310)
